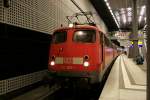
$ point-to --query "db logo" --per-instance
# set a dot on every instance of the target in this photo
(67, 60)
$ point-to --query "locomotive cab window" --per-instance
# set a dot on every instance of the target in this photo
(106, 41)
(59, 37)
(101, 37)
(85, 36)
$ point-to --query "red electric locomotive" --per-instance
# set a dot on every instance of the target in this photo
(81, 51)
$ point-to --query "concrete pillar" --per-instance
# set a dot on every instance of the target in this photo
(148, 49)
(134, 51)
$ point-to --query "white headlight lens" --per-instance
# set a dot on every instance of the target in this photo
(71, 25)
(52, 63)
(86, 64)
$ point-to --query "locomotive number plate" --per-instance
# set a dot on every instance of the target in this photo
(68, 60)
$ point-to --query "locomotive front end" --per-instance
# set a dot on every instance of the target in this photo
(73, 54)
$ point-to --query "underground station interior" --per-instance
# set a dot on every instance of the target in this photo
(74, 50)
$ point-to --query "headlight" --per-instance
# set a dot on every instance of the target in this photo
(52, 63)
(86, 64)
(71, 25)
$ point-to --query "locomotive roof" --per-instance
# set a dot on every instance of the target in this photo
(79, 27)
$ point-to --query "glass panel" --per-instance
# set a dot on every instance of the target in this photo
(85, 36)
(59, 37)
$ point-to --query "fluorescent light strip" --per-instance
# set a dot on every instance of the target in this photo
(140, 18)
(145, 19)
(123, 15)
(129, 14)
(142, 12)
(109, 7)
(129, 9)
(124, 18)
(117, 17)
(112, 13)
(107, 4)
(129, 19)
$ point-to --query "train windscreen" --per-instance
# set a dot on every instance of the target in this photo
(59, 37)
(84, 36)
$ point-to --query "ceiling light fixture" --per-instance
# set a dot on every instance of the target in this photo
(142, 12)
(129, 18)
(129, 9)
(124, 18)
(107, 3)
(145, 19)
(140, 19)
(129, 14)
(105, 0)
(123, 15)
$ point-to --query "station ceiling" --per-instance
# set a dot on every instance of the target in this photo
(122, 11)
(103, 11)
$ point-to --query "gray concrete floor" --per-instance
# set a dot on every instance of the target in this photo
(127, 81)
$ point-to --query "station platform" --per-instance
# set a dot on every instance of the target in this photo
(126, 81)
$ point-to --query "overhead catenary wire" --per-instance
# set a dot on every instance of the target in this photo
(88, 19)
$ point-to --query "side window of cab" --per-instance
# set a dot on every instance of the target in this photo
(106, 41)
(101, 37)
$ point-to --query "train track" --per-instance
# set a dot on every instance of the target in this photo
(52, 90)
(75, 93)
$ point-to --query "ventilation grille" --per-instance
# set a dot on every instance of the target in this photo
(40, 15)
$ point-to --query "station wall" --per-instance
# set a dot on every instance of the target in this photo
(43, 15)
(25, 34)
